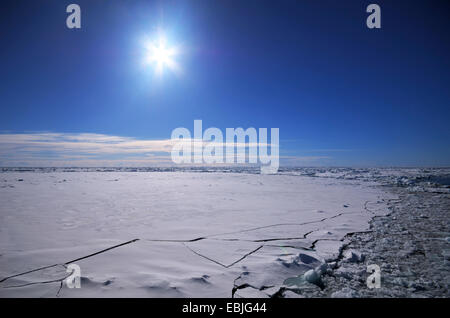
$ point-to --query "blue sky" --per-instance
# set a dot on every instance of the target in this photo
(340, 93)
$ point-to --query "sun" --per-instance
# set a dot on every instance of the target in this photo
(161, 56)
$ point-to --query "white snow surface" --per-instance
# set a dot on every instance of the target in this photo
(200, 234)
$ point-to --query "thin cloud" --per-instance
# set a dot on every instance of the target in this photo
(88, 149)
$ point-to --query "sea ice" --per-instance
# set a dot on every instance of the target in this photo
(193, 234)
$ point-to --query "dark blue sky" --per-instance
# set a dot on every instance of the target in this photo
(335, 88)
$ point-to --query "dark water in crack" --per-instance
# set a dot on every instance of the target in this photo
(442, 180)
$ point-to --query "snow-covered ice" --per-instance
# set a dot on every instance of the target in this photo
(200, 234)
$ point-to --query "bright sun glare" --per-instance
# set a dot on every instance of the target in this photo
(161, 56)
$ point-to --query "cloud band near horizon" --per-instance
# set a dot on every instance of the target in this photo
(50, 149)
